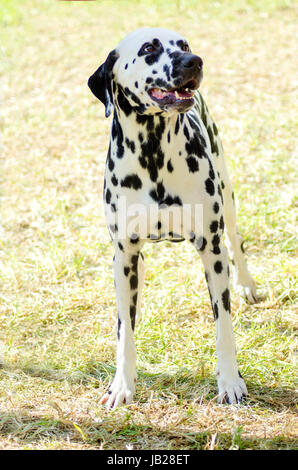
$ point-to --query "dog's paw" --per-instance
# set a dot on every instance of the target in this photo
(247, 289)
(231, 388)
(120, 392)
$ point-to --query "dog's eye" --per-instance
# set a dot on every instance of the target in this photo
(185, 47)
(147, 48)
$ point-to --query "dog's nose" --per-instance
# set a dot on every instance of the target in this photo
(191, 61)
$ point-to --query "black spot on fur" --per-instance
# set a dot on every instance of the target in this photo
(133, 281)
(201, 243)
(126, 270)
(135, 299)
(132, 312)
(159, 129)
(209, 185)
(123, 102)
(186, 132)
(118, 135)
(216, 207)
(134, 262)
(158, 193)
(120, 246)
(161, 83)
(218, 267)
(114, 180)
(153, 57)
(111, 164)
(193, 164)
(215, 311)
(134, 238)
(195, 146)
(170, 166)
(166, 69)
(214, 226)
(220, 193)
(213, 143)
(226, 300)
(134, 259)
(152, 157)
(177, 126)
(132, 181)
(171, 201)
(211, 171)
(215, 242)
(108, 196)
(118, 334)
(130, 144)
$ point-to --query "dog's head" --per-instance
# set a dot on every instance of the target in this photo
(151, 71)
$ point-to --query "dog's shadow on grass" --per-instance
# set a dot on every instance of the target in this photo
(193, 388)
(184, 384)
(117, 429)
(118, 432)
(203, 390)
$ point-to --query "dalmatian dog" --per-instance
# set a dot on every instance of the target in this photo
(166, 179)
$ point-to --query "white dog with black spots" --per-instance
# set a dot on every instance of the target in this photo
(165, 156)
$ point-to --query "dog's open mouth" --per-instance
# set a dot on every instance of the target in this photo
(174, 96)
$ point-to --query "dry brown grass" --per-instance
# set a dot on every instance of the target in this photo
(57, 296)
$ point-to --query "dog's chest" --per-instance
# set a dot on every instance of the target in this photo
(159, 160)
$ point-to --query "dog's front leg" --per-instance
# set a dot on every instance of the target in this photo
(231, 386)
(127, 283)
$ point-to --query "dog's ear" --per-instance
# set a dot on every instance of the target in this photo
(100, 83)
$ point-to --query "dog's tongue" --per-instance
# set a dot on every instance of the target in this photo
(170, 96)
(159, 94)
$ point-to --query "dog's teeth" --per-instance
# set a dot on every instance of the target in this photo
(177, 95)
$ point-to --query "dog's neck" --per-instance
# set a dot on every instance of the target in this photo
(160, 125)
(131, 111)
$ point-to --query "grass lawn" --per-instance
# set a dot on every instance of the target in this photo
(57, 299)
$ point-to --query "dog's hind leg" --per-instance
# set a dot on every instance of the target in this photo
(243, 281)
(128, 272)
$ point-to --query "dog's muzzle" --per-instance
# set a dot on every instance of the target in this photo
(188, 74)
